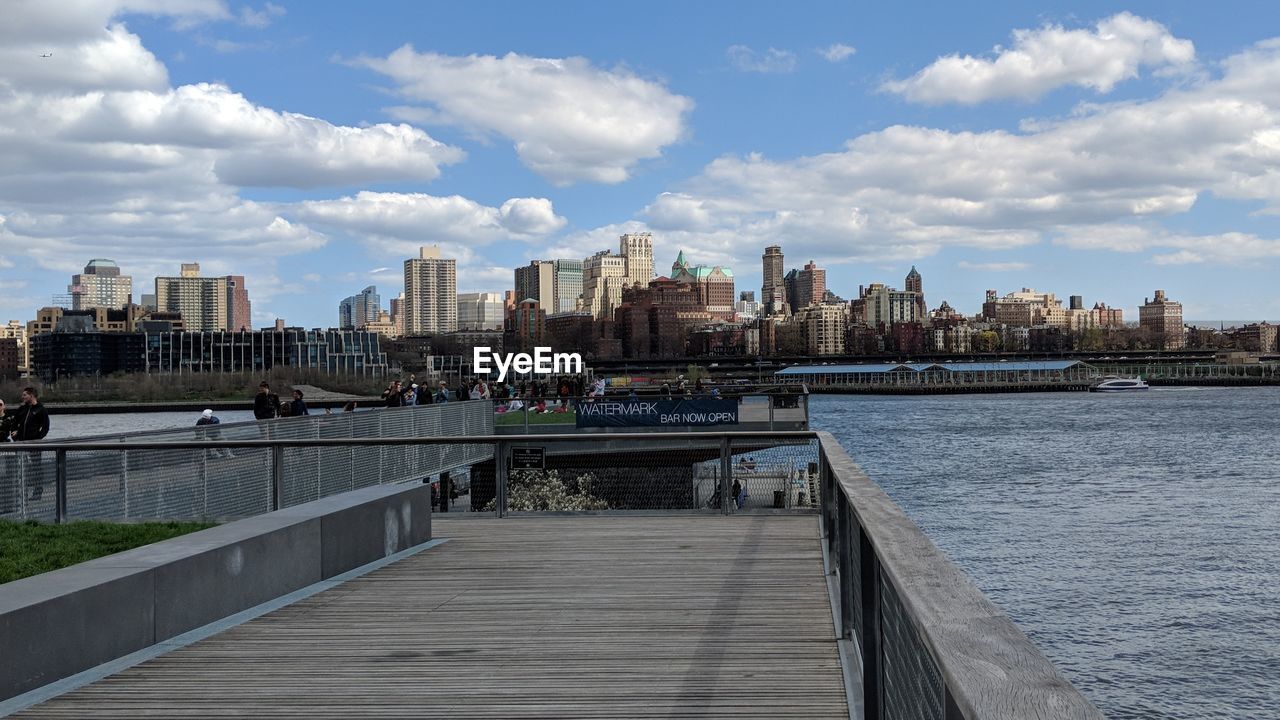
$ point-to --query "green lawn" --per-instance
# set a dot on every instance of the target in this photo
(517, 418)
(30, 548)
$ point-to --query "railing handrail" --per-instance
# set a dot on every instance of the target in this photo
(709, 436)
(990, 668)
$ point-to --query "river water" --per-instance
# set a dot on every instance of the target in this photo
(1134, 537)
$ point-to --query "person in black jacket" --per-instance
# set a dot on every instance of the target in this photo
(31, 422)
(266, 404)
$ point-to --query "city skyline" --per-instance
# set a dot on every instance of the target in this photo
(263, 140)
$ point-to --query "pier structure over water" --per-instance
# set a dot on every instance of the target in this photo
(735, 574)
(945, 377)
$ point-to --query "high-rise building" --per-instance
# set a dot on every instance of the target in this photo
(481, 311)
(915, 284)
(529, 322)
(430, 293)
(536, 281)
(397, 314)
(238, 310)
(773, 295)
(637, 250)
(810, 286)
(1162, 318)
(714, 284)
(604, 274)
(100, 285)
(360, 309)
(824, 329)
(206, 303)
(568, 284)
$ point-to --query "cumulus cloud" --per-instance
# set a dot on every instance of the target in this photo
(1231, 248)
(408, 220)
(1047, 58)
(569, 120)
(1105, 174)
(102, 158)
(772, 60)
(837, 52)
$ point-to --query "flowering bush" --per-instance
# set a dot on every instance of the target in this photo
(545, 490)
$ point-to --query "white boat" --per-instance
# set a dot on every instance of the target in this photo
(1116, 384)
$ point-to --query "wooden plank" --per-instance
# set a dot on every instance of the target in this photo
(547, 617)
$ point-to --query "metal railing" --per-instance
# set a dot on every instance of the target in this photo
(927, 642)
(238, 469)
(930, 644)
(107, 478)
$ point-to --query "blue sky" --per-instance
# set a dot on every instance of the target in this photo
(1079, 148)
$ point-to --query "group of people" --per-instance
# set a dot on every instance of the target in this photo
(682, 389)
(30, 421)
(409, 394)
(267, 405)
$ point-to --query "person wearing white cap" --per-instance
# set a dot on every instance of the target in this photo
(208, 418)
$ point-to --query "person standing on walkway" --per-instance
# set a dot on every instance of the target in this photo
(299, 407)
(391, 396)
(7, 425)
(8, 465)
(31, 422)
(442, 395)
(266, 404)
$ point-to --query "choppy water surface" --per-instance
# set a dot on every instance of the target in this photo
(62, 427)
(1134, 537)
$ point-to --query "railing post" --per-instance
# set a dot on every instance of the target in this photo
(845, 547)
(726, 469)
(60, 486)
(277, 477)
(444, 491)
(870, 600)
(500, 478)
(770, 398)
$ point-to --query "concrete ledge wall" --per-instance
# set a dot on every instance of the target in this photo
(60, 623)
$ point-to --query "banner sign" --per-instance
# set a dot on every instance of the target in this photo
(652, 413)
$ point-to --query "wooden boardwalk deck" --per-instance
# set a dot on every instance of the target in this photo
(547, 617)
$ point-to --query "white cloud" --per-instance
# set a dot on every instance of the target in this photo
(1047, 58)
(405, 221)
(993, 266)
(102, 158)
(569, 121)
(677, 211)
(906, 192)
(260, 19)
(1231, 248)
(837, 52)
(768, 61)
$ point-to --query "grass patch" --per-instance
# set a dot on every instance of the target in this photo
(554, 418)
(30, 548)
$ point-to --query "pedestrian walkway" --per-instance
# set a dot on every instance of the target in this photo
(641, 616)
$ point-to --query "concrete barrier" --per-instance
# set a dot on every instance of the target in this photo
(60, 623)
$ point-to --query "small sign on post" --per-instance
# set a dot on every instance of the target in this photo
(528, 458)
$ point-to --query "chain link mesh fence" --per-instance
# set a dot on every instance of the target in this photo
(689, 474)
(231, 482)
